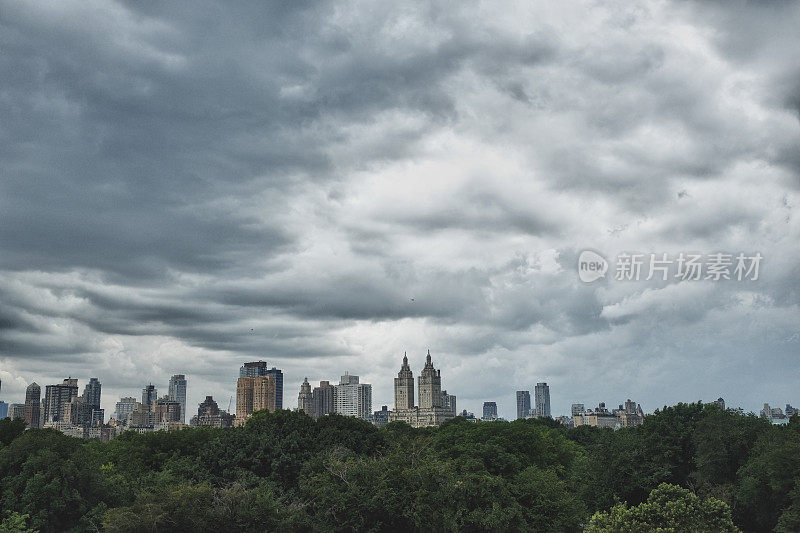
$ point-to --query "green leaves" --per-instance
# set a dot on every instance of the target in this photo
(668, 509)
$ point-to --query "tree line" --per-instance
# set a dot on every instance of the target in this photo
(690, 467)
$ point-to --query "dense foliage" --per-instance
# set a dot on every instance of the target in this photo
(687, 468)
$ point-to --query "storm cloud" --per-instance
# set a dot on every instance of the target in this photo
(327, 185)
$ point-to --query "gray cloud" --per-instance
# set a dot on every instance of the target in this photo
(327, 185)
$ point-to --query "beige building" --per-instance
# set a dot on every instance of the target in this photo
(435, 406)
(254, 394)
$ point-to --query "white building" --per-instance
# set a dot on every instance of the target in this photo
(351, 398)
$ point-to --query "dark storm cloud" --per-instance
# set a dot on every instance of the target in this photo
(325, 185)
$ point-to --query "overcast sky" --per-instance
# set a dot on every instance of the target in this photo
(325, 186)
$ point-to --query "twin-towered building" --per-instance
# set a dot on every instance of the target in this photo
(352, 398)
(434, 405)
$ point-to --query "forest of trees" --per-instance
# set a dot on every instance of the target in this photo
(691, 467)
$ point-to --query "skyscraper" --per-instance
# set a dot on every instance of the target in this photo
(16, 410)
(91, 393)
(305, 400)
(33, 397)
(177, 393)
(56, 397)
(124, 407)
(167, 410)
(435, 405)
(577, 409)
(523, 403)
(255, 369)
(323, 399)
(149, 396)
(489, 410)
(352, 398)
(430, 385)
(254, 394)
(404, 387)
(542, 392)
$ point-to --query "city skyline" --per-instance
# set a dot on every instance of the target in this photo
(506, 403)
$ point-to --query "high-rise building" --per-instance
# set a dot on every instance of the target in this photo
(58, 396)
(381, 418)
(209, 414)
(91, 393)
(265, 393)
(256, 369)
(177, 392)
(16, 410)
(352, 398)
(33, 396)
(149, 396)
(254, 394)
(278, 376)
(720, 402)
(435, 405)
(253, 369)
(91, 396)
(542, 393)
(523, 403)
(577, 409)
(305, 400)
(430, 385)
(3, 410)
(489, 411)
(124, 407)
(167, 410)
(404, 387)
(322, 397)
(449, 402)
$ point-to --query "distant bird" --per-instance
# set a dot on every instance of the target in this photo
(412, 299)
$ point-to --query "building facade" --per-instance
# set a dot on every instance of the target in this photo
(542, 393)
(352, 398)
(256, 369)
(305, 400)
(322, 398)
(254, 394)
(177, 392)
(56, 397)
(434, 404)
(489, 411)
(523, 403)
(33, 398)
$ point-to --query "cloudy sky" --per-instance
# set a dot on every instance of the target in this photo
(325, 186)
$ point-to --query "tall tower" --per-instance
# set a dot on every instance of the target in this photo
(430, 386)
(523, 403)
(542, 400)
(264, 393)
(244, 398)
(91, 393)
(404, 387)
(256, 369)
(323, 399)
(56, 397)
(305, 400)
(33, 396)
(177, 393)
(149, 396)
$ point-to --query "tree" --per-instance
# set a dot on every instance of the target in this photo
(10, 430)
(668, 509)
